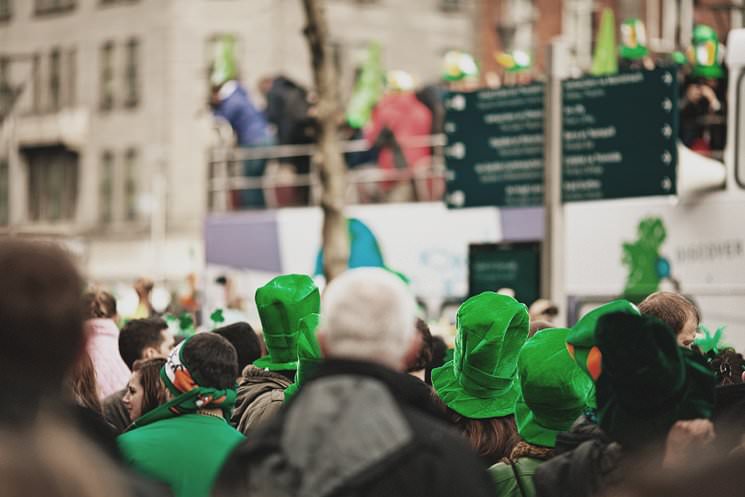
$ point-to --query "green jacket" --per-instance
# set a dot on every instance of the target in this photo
(186, 452)
(506, 477)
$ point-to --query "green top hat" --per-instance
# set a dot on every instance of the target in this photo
(581, 339)
(705, 53)
(648, 381)
(282, 303)
(309, 354)
(554, 390)
(633, 40)
(479, 382)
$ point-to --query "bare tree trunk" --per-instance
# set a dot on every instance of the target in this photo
(332, 167)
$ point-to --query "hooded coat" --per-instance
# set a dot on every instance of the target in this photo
(260, 395)
(356, 429)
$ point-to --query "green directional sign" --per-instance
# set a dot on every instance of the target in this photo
(619, 135)
(494, 151)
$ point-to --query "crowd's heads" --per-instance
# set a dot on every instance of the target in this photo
(143, 339)
(145, 391)
(212, 361)
(243, 337)
(368, 314)
(41, 317)
(479, 382)
(676, 311)
(281, 304)
(99, 304)
(543, 310)
(82, 383)
(553, 389)
(423, 358)
(648, 382)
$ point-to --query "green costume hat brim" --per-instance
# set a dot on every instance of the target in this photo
(479, 382)
(491, 404)
(636, 53)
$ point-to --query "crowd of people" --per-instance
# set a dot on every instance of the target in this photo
(348, 393)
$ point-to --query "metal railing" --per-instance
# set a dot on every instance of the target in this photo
(283, 187)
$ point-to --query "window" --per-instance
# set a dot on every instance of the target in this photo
(43, 7)
(739, 125)
(36, 77)
(6, 10)
(7, 92)
(106, 188)
(4, 192)
(72, 80)
(116, 2)
(131, 175)
(450, 5)
(55, 93)
(53, 183)
(107, 76)
(131, 74)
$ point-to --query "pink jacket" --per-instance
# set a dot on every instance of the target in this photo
(112, 374)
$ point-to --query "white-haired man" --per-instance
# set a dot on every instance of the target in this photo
(360, 426)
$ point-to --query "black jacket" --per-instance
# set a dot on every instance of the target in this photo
(356, 429)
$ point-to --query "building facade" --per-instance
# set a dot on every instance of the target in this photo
(104, 123)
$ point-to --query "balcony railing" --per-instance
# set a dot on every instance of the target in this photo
(366, 183)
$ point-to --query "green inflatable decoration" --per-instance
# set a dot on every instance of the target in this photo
(368, 90)
(604, 61)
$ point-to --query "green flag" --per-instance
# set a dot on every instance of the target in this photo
(368, 89)
(604, 60)
(224, 66)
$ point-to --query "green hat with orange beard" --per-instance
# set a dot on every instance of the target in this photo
(581, 339)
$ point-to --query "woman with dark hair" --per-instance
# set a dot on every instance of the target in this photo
(82, 382)
(145, 390)
(102, 334)
(478, 385)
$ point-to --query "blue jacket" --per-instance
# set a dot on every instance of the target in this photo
(248, 123)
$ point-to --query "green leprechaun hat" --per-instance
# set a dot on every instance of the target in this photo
(309, 355)
(581, 339)
(282, 303)
(553, 389)
(705, 53)
(648, 381)
(479, 382)
(633, 40)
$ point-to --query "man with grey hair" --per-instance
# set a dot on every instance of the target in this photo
(360, 426)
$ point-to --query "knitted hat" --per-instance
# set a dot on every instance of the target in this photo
(705, 53)
(308, 353)
(553, 389)
(648, 381)
(581, 338)
(282, 303)
(479, 382)
(633, 40)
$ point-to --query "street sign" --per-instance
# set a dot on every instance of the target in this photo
(619, 135)
(494, 151)
(493, 266)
